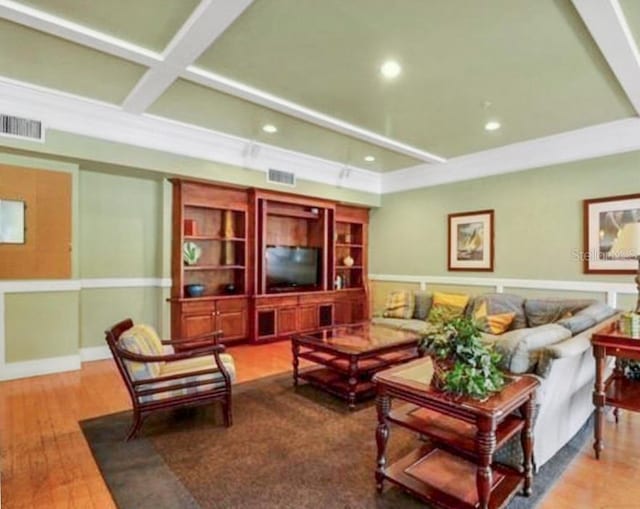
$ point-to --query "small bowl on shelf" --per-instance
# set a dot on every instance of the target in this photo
(196, 290)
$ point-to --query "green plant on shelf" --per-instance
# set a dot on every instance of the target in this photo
(463, 365)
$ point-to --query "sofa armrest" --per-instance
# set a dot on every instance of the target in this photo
(572, 347)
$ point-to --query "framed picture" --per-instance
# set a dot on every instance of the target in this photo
(470, 245)
(604, 221)
(12, 222)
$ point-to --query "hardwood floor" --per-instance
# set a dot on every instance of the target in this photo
(46, 462)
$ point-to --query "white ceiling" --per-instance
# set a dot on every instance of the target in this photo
(128, 122)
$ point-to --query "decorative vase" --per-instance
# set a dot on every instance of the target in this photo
(348, 261)
(228, 233)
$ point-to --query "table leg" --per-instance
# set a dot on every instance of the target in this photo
(383, 404)
(486, 444)
(353, 381)
(526, 439)
(599, 398)
(295, 349)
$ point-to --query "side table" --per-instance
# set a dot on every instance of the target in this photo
(616, 391)
(455, 468)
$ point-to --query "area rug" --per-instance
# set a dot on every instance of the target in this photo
(286, 449)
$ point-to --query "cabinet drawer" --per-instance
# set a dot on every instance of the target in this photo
(290, 300)
(226, 305)
(200, 307)
(321, 298)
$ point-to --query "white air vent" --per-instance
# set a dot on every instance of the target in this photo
(283, 178)
(17, 127)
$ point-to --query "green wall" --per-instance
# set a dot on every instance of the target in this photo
(538, 220)
(120, 226)
(41, 325)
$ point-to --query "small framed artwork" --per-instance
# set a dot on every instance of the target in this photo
(470, 245)
(607, 223)
(12, 222)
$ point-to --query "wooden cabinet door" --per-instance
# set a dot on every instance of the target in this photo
(342, 310)
(231, 318)
(287, 321)
(307, 318)
(196, 324)
(233, 324)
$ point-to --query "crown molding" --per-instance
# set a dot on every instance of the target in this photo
(608, 26)
(587, 143)
(85, 117)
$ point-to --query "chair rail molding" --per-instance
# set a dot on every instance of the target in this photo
(609, 289)
(12, 370)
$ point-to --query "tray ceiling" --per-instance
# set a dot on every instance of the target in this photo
(312, 69)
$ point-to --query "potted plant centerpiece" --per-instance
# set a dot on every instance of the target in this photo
(463, 365)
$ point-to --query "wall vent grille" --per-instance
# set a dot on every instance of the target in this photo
(24, 128)
(283, 178)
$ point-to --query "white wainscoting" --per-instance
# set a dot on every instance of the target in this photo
(610, 291)
(12, 370)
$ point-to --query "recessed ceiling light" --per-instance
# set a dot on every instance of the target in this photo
(390, 69)
(269, 128)
(369, 159)
(492, 125)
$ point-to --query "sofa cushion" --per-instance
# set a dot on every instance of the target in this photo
(494, 324)
(447, 306)
(522, 348)
(399, 304)
(423, 301)
(419, 326)
(587, 317)
(500, 303)
(543, 311)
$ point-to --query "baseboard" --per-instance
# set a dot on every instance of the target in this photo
(13, 370)
(95, 353)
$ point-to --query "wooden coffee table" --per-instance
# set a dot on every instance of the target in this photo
(455, 467)
(350, 355)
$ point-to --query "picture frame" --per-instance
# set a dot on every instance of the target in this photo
(603, 219)
(12, 221)
(470, 245)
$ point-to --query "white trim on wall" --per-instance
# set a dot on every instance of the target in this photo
(37, 367)
(11, 370)
(610, 290)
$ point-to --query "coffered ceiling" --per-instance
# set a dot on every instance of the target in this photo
(561, 77)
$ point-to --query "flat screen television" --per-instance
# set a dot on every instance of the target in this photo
(292, 268)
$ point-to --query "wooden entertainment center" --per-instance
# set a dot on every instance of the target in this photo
(235, 232)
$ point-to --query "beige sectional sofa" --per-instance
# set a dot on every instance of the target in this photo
(549, 339)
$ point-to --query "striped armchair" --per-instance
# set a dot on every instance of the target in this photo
(160, 375)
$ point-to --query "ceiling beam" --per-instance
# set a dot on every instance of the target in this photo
(610, 30)
(207, 22)
(229, 86)
(47, 23)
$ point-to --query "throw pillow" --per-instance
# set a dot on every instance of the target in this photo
(543, 311)
(501, 303)
(423, 305)
(399, 304)
(493, 324)
(447, 306)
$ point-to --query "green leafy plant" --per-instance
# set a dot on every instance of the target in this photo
(464, 366)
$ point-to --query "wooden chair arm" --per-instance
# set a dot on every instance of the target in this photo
(211, 349)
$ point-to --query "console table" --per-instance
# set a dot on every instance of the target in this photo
(455, 468)
(616, 391)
